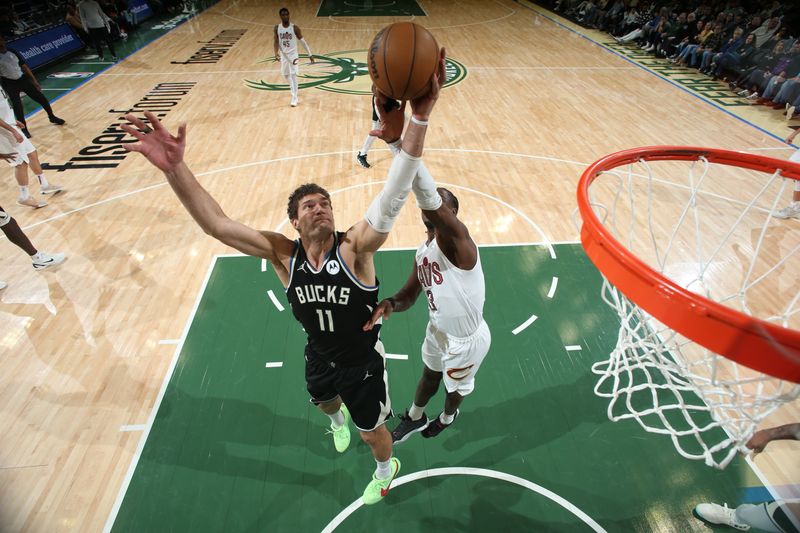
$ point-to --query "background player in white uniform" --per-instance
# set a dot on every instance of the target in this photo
(793, 209)
(447, 268)
(388, 105)
(313, 219)
(286, 36)
(13, 141)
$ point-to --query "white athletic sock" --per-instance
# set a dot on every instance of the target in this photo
(24, 194)
(367, 145)
(293, 84)
(337, 419)
(42, 180)
(415, 412)
(37, 256)
(384, 470)
(446, 419)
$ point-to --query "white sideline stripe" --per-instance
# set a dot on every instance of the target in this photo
(275, 364)
(465, 471)
(274, 300)
(55, 89)
(573, 348)
(263, 265)
(112, 515)
(399, 356)
(169, 341)
(553, 286)
(524, 325)
(133, 427)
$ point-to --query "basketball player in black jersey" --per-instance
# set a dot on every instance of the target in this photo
(329, 276)
(388, 106)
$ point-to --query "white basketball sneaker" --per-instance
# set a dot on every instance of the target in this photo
(44, 260)
(718, 514)
(790, 211)
(294, 101)
(3, 285)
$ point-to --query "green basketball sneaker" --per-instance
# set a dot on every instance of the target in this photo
(341, 436)
(378, 488)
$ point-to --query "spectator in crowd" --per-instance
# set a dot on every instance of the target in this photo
(74, 20)
(97, 24)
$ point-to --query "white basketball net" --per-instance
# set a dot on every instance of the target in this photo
(710, 232)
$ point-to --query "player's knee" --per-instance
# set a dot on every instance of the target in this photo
(5, 218)
(430, 377)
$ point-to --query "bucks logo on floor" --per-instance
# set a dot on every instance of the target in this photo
(342, 72)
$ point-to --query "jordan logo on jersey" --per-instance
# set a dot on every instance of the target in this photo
(429, 273)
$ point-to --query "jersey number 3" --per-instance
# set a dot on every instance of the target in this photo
(432, 305)
(322, 315)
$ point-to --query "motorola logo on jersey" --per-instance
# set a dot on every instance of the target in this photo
(332, 267)
(343, 72)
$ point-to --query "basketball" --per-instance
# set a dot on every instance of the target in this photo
(402, 58)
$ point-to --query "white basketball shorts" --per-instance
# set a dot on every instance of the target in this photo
(8, 145)
(289, 64)
(457, 358)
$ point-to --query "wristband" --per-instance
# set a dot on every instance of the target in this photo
(415, 120)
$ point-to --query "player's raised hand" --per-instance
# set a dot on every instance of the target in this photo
(421, 107)
(159, 146)
(391, 121)
(383, 311)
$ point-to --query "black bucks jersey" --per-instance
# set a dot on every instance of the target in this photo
(333, 306)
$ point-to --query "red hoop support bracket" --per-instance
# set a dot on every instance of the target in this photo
(751, 342)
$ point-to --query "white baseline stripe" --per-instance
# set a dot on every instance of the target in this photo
(133, 427)
(573, 348)
(275, 300)
(524, 325)
(553, 286)
(464, 471)
(112, 516)
(263, 265)
(274, 364)
(400, 356)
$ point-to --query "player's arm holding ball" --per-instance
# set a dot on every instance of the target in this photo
(165, 151)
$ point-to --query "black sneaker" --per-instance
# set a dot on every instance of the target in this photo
(57, 121)
(407, 427)
(436, 426)
(362, 160)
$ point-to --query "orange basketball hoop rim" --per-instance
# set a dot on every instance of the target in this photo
(749, 341)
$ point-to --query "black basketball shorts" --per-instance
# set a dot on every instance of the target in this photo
(364, 389)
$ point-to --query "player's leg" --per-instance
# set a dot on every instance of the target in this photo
(321, 385)
(365, 390)
(461, 363)
(434, 348)
(20, 164)
(37, 96)
(793, 209)
(361, 157)
(36, 167)
(41, 260)
(12, 89)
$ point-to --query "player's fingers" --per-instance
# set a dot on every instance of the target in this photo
(136, 121)
(182, 133)
(154, 122)
(132, 147)
(139, 136)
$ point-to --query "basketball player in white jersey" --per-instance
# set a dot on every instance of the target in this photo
(329, 276)
(13, 141)
(793, 209)
(388, 105)
(447, 267)
(287, 35)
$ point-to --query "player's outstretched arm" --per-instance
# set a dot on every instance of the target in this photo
(400, 301)
(452, 235)
(369, 234)
(165, 151)
(302, 41)
(761, 438)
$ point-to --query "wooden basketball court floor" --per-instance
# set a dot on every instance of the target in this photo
(136, 392)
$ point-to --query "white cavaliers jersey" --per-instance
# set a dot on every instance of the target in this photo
(6, 112)
(287, 40)
(455, 296)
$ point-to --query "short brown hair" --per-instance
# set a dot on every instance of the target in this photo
(299, 193)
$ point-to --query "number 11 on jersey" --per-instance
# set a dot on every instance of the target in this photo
(321, 315)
